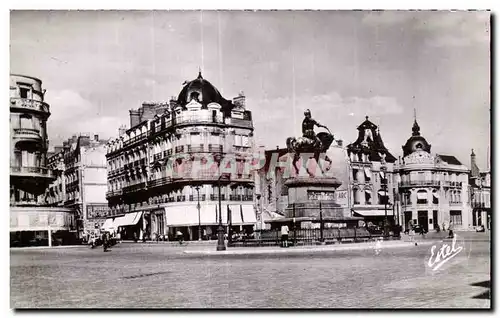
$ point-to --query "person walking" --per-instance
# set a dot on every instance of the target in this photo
(178, 235)
(450, 230)
(284, 235)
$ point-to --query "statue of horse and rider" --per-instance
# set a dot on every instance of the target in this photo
(310, 143)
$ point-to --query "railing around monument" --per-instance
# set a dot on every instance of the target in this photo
(297, 237)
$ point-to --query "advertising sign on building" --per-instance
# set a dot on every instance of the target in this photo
(97, 211)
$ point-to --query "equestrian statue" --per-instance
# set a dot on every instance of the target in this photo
(310, 142)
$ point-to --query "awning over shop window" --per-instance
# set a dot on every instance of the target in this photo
(382, 174)
(372, 212)
(368, 191)
(422, 195)
(242, 214)
(128, 219)
(187, 215)
(368, 173)
(108, 224)
(436, 195)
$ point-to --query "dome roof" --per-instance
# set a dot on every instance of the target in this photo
(204, 92)
(416, 142)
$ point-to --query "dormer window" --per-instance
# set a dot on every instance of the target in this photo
(195, 96)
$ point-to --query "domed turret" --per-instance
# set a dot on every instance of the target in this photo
(203, 92)
(416, 141)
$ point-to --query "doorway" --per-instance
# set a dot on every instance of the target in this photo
(407, 219)
(435, 218)
(423, 220)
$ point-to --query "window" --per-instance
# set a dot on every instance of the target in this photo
(23, 92)
(456, 217)
(422, 197)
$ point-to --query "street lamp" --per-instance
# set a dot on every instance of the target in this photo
(221, 244)
(384, 188)
(199, 216)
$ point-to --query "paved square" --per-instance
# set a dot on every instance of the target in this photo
(150, 275)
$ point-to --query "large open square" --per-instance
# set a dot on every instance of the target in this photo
(165, 276)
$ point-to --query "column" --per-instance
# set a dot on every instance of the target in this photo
(50, 237)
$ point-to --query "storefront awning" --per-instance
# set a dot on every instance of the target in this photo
(372, 212)
(382, 175)
(436, 195)
(368, 191)
(187, 215)
(242, 214)
(108, 224)
(382, 193)
(422, 195)
(128, 219)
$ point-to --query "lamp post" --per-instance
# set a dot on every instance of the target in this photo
(221, 245)
(384, 187)
(199, 215)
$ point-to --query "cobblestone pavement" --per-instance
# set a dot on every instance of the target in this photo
(161, 275)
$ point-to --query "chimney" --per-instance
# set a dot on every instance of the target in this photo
(135, 118)
(122, 130)
(473, 166)
(96, 137)
(239, 101)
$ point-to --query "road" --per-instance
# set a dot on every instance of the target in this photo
(161, 275)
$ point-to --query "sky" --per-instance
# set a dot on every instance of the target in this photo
(342, 65)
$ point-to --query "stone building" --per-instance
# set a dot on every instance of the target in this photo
(173, 156)
(480, 188)
(80, 169)
(32, 222)
(433, 187)
(371, 176)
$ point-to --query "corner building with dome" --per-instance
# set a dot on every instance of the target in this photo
(158, 170)
(433, 188)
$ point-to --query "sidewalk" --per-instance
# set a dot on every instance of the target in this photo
(307, 249)
(47, 247)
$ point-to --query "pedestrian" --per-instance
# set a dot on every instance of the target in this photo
(450, 230)
(135, 237)
(284, 235)
(178, 235)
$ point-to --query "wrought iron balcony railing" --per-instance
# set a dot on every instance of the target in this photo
(29, 104)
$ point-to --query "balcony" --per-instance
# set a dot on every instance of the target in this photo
(135, 139)
(215, 148)
(134, 188)
(194, 148)
(32, 172)
(29, 104)
(179, 149)
(455, 203)
(239, 122)
(419, 183)
(27, 134)
(452, 184)
(159, 182)
(480, 205)
(114, 193)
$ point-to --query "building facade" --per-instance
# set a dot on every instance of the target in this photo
(172, 158)
(31, 220)
(433, 188)
(371, 176)
(81, 180)
(480, 190)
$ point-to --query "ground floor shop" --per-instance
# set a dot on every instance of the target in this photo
(42, 226)
(432, 219)
(194, 223)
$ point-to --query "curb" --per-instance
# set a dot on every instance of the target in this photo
(46, 247)
(292, 250)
